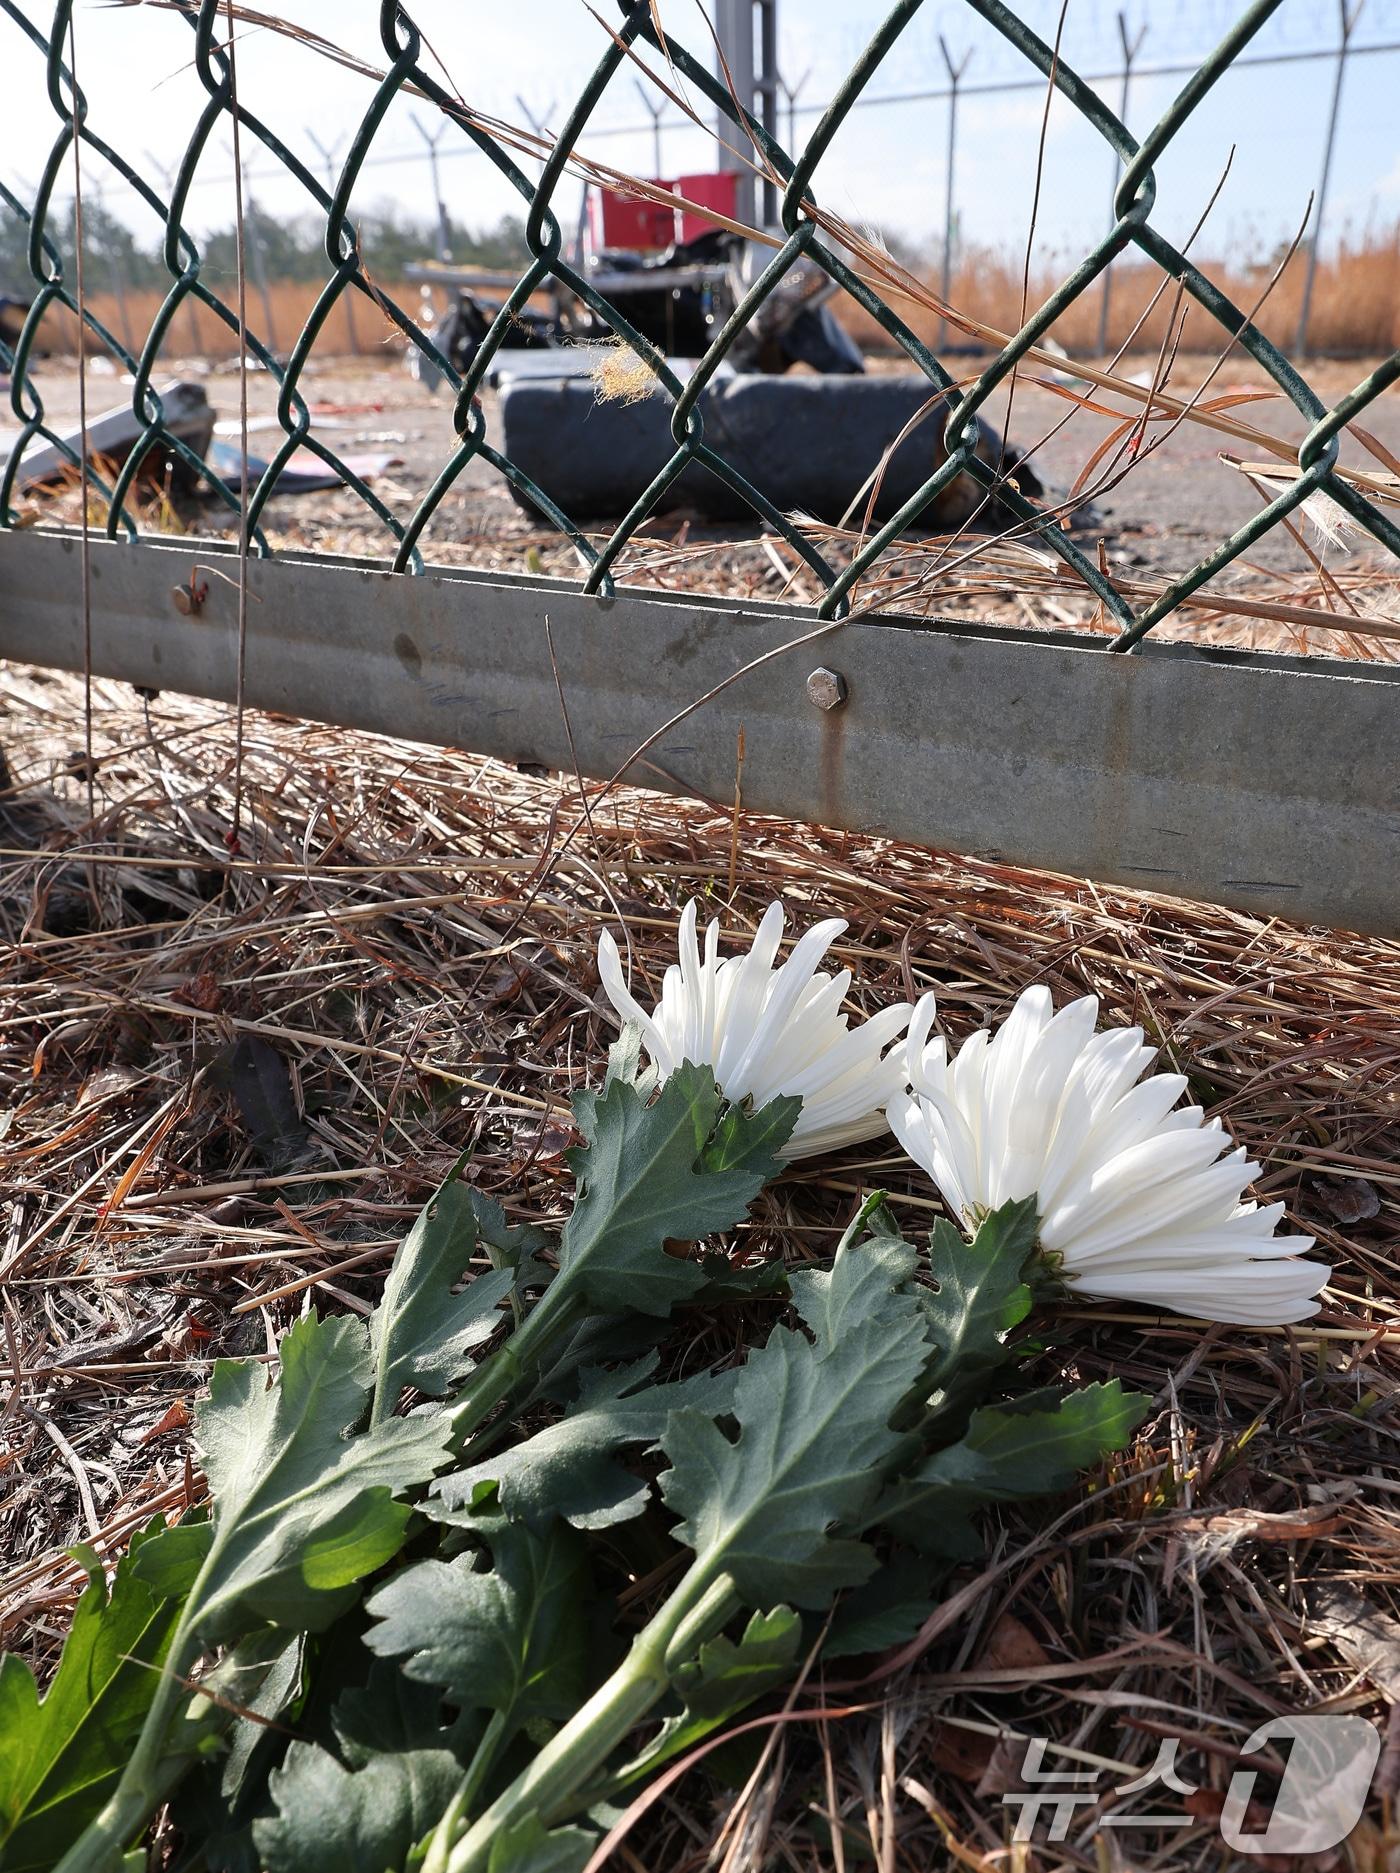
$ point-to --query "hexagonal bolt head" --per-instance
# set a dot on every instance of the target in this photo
(826, 688)
(188, 599)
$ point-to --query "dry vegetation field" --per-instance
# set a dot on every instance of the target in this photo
(1355, 308)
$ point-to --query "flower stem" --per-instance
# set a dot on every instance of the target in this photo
(515, 1361)
(148, 1774)
(172, 1737)
(550, 1788)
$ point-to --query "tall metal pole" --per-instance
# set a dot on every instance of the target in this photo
(1348, 15)
(656, 112)
(539, 124)
(792, 93)
(257, 259)
(955, 74)
(537, 120)
(1131, 48)
(444, 225)
(766, 88)
(734, 65)
(118, 274)
(167, 173)
(347, 300)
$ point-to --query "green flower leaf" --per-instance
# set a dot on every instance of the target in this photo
(651, 1174)
(981, 1296)
(331, 1819)
(749, 1281)
(391, 1712)
(568, 1469)
(726, 1677)
(1032, 1447)
(814, 1432)
(422, 1332)
(528, 1848)
(888, 1609)
(748, 1140)
(514, 1638)
(217, 1802)
(303, 1508)
(61, 1754)
(513, 1245)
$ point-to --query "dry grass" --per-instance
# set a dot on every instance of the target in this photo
(389, 929)
(1355, 307)
(354, 326)
(196, 332)
(1352, 614)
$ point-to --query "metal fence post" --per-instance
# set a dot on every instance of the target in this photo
(1349, 12)
(167, 173)
(444, 225)
(259, 260)
(766, 92)
(792, 93)
(1131, 48)
(955, 72)
(656, 112)
(734, 67)
(347, 299)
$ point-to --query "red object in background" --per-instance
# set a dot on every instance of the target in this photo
(616, 219)
(717, 191)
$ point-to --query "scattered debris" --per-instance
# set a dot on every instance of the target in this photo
(595, 458)
(116, 432)
(677, 296)
(1345, 1200)
(13, 313)
(303, 473)
(260, 1082)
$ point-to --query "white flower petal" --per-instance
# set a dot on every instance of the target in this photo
(1249, 1294)
(621, 997)
(1138, 1202)
(785, 990)
(920, 1027)
(766, 1030)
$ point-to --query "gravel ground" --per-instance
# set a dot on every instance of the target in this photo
(1173, 505)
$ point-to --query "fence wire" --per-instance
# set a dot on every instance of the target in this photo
(802, 235)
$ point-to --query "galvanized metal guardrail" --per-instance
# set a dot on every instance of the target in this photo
(1264, 782)
(1247, 779)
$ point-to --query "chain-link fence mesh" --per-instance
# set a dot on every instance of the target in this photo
(805, 233)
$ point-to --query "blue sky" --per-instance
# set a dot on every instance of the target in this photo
(886, 169)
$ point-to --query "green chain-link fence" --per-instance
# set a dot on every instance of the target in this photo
(803, 235)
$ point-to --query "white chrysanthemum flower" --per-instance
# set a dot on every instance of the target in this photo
(1136, 1201)
(765, 1031)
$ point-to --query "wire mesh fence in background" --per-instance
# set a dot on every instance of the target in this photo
(805, 232)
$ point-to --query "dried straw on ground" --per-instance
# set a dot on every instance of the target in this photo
(414, 978)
